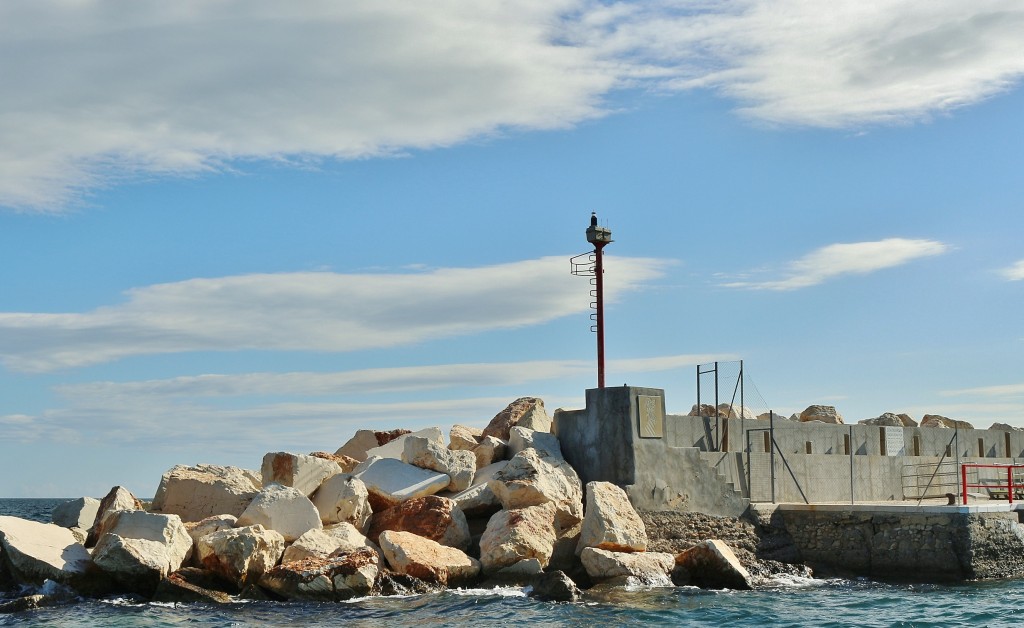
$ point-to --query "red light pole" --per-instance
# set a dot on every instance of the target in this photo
(599, 237)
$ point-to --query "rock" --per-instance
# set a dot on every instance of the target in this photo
(555, 587)
(767, 416)
(706, 410)
(794, 417)
(190, 585)
(22, 604)
(610, 522)
(935, 420)
(887, 419)
(1003, 427)
(532, 478)
(436, 518)
(536, 419)
(76, 513)
(825, 414)
(142, 545)
(907, 420)
(522, 438)
(524, 407)
(357, 446)
(324, 579)
(711, 564)
(479, 500)
(428, 454)
(428, 560)
(396, 448)
(241, 555)
(345, 462)
(343, 498)
(390, 482)
(298, 471)
(515, 535)
(205, 490)
(340, 538)
(489, 450)
(199, 529)
(463, 438)
(119, 498)
(35, 552)
(283, 509)
(651, 568)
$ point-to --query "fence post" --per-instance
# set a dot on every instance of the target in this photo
(1009, 483)
(963, 474)
(771, 432)
(851, 465)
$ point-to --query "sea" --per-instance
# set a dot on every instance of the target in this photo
(786, 602)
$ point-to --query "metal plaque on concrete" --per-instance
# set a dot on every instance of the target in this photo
(895, 445)
(652, 417)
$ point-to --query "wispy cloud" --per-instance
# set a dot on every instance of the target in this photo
(323, 311)
(836, 260)
(1004, 390)
(1014, 272)
(96, 92)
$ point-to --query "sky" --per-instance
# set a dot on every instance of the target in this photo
(236, 227)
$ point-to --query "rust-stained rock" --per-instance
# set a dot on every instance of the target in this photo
(299, 471)
(340, 538)
(347, 463)
(824, 414)
(324, 579)
(391, 482)
(428, 560)
(190, 584)
(515, 535)
(431, 517)
(522, 408)
(241, 555)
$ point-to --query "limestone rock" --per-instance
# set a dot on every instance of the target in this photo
(711, 565)
(479, 500)
(343, 498)
(346, 463)
(706, 410)
(1003, 427)
(489, 450)
(190, 585)
(935, 420)
(284, 509)
(391, 482)
(610, 522)
(204, 490)
(298, 471)
(119, 498)
(165, 530)
(515, 535)
(241, 555)
(324, 579)
(199, 529)
(357, 446)
(464, 438)
(522, 438)
(340, 538)
(555, 587)
(536, 419)
(649, 567)
(532, 478)
(431, 517)
(524, 407)
(427, 454)
(137, 565)
(35, 552)
(396, 448)
(428, 560)
(76, 513)
(825, 414)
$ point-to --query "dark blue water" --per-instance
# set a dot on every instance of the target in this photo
(825, 603)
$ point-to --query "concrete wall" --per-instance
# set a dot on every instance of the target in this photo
(604, 442)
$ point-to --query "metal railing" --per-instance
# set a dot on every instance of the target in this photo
(1014, 484)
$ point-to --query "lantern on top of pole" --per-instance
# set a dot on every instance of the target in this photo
(591, 264)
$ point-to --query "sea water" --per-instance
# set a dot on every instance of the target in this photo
(787, 602)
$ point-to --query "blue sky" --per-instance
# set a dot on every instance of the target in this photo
(232, 228)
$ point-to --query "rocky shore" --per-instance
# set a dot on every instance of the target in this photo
(387, 513)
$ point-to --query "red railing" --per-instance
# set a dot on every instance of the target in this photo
(1010, 486)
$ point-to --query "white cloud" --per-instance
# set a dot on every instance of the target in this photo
(321, 311)
(836, 260)
(1005, 390)
(1014, 272)
(99, 91)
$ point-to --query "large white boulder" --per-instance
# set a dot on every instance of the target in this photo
(76, 513)
(479, 499)
(357, 446)
(824, 414)
(463, 437)
(652, 568)
(241, 555)
(283, 509)
(119, 498)
(204, 490)
(340, 538)
(712, 564)
(395, 448)
(512, 536)
(36, 552)
(526, 411)
(142, 548)
(489, 450)
(343, 498)
(532, 478)
(390, 481)
(428, 454)
(522, 438)
(428, 560)
(610, 522)
(298, 471)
